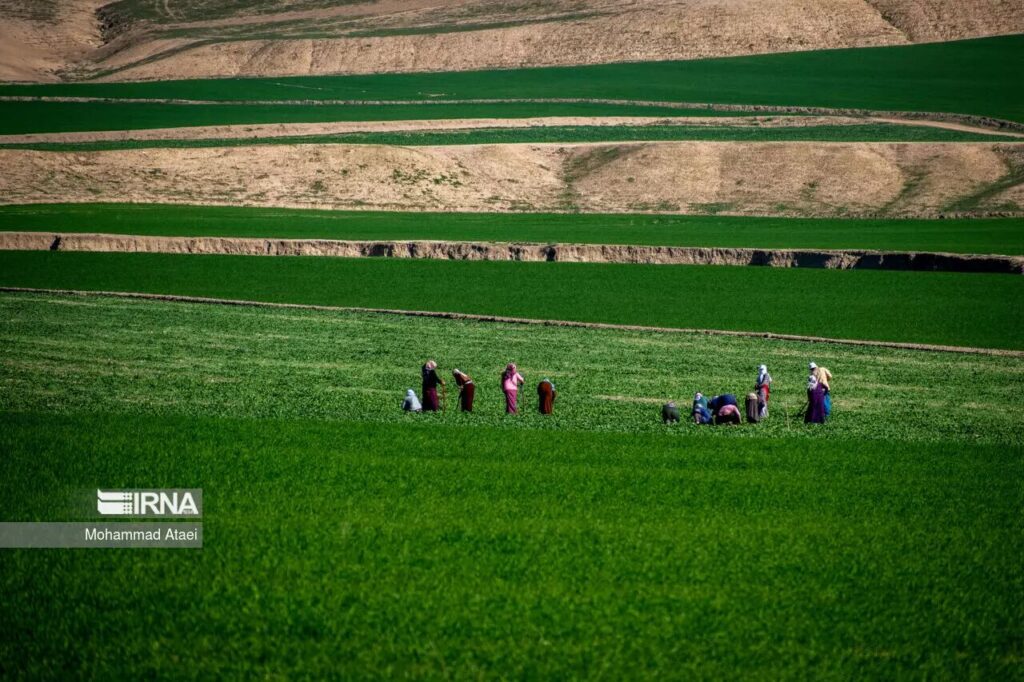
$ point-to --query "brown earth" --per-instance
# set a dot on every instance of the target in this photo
(526, 252)
(452, 35)
(730, 178)
(272, 130)
(519, 320)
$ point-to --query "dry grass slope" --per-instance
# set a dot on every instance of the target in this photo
(132, 40)
(730, 178)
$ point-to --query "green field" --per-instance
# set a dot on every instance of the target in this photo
(976, 235)
(976, 310)
(21, 117)
(832, 133)
(972, 76)
(343, 538)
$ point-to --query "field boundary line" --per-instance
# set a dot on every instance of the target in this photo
(534, 252)
(477, 317)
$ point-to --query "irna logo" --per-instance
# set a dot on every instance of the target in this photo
(177, 502)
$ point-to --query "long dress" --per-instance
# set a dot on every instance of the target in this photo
(546, 397)
(510, 386)
(467, 389)
(430, 382)
(815, 413)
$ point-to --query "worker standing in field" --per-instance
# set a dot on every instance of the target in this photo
(467, 390)
(546, 395)
(431, 380)
(763, 387)
(511, 380)
(824, 378)
(815, 411)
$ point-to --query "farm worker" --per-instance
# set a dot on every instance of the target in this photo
(763, 387)
(720, 401)
(430, 382)
(824, 378)
(701, 413)
(669, 413)
(411, 402)
(546, 395)
(727, 414)
(467, 389)
(511, 380)
(815, 412)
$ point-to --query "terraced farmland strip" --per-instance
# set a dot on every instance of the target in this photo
(978, 77)
(991, 235)
(977, 310)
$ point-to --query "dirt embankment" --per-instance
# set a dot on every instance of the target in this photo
(789, 179)
(490, 251)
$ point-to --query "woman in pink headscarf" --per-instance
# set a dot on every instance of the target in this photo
(511, 380)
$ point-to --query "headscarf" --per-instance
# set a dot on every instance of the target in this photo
(430, 364)
(510, 369)
(697, 396)
(812, 366)
(410, 393)
(762, 375)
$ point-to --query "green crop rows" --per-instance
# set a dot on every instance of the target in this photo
(345, 538)
(976, 235)
(20, 117)
(972, 76)
(542, 134)
(925, 307)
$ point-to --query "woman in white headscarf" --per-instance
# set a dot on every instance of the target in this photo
(763, 387)
(411, 402)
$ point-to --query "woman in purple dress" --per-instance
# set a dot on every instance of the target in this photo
(815, 413)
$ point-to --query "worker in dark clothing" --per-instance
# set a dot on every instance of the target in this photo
(430, 383)
(546, 395)
(669, 413)
(467, 390)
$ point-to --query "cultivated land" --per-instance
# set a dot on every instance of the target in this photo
(976, 309)
(977, 77)
(978, 236)
(345, 537)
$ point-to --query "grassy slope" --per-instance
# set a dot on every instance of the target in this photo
(455, 546)
(972, 76)
(18, 117)
(830, 133)
(1000, 235)
(946, 308)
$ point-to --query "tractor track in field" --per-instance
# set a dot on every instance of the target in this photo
(853, 259)
(174, 298)
(963, 121)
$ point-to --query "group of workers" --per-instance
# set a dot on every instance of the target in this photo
(719, 409)
(511, 380)
(725, 409)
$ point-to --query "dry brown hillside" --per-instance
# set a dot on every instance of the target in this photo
(787, 179)
(156, 39)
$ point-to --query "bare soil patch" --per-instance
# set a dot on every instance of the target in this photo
(729, 178)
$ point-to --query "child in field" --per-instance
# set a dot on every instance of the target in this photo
(511, 380)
